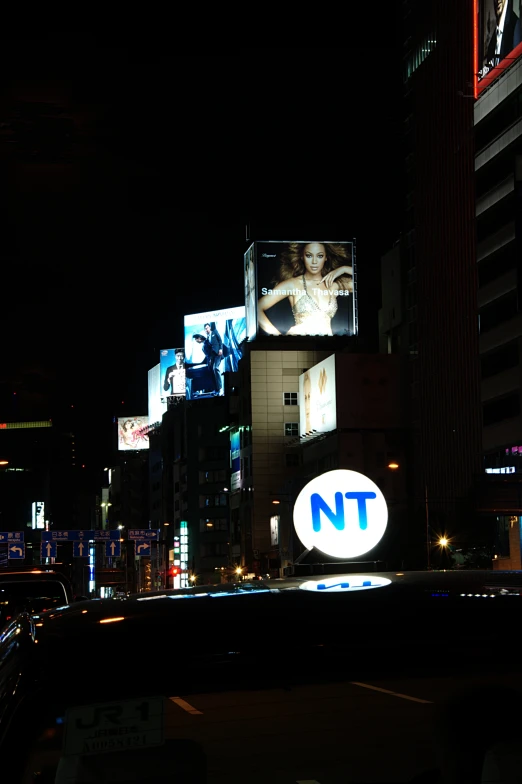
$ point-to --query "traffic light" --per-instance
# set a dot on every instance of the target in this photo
(175, 571)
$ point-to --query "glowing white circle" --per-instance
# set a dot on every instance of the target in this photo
(340, 513)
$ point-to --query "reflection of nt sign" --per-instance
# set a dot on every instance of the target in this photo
(319, 505)
(324, 587)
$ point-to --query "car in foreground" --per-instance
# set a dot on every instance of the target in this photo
(33, 590)
(190, 684)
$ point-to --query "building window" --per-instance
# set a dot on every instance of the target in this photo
(290, 398)
(499, 360)
(292, 459)
(213, 549)
(292, 429)
(219, 475)
(502, 408)
(497, 312)
(209, 525)
(219, 499)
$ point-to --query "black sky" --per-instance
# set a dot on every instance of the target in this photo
(130, 207)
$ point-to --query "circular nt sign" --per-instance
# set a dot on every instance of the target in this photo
(341, 513)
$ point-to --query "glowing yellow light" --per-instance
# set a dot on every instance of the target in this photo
(443, 541)
(393, 466)
(112, 620)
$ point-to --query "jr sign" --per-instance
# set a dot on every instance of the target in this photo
(341, 513)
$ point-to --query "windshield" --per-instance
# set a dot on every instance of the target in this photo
(33, 596)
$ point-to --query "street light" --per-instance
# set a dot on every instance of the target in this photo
(443, 541)
(393, 466)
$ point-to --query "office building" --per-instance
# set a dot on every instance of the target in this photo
(498, 172)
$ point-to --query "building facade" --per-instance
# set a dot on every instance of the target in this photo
(498, 173)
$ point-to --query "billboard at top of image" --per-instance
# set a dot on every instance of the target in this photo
(317, 398)
(212, 347)
(172, 373)
(131, 435)
(499, 35)
(302, 288)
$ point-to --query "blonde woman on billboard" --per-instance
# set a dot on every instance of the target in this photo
(312, 275)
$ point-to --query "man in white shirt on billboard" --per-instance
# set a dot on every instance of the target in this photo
(175, 381)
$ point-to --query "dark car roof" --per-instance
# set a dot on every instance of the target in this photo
(315, 594)
(251, 633)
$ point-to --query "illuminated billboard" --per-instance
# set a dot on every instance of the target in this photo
(317, 398)
(306, 288)
(250, 292)
(212, 347)
(38, 514)
(498, 38)
(157, 405)
(235, 460)
(172, 372)
(131, 435)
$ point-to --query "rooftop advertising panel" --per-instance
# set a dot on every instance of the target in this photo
(498, 38)
(317, 398)
(250, 292)
(172, 372)
(157, 406)
(131, 435)
(212, 347)
(306, 288)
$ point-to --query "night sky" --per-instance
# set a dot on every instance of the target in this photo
(129, 179)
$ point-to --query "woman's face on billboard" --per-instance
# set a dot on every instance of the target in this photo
(314, 257)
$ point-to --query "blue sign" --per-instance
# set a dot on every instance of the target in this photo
(16, 550)
(235, 454)
(143, 533)
(142, 548)
(113, 549)
(48, 549)
(11, 536)
(79, 536)
(81, 549)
